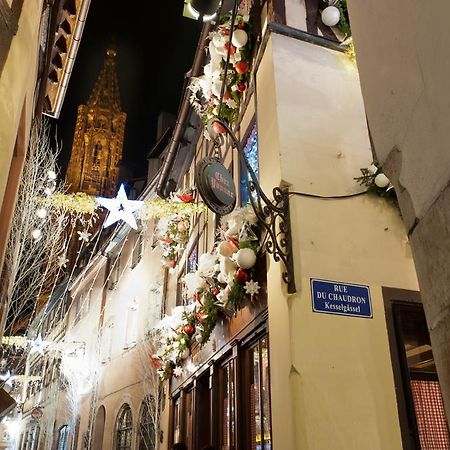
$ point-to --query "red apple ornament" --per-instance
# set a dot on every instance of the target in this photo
(241, 67)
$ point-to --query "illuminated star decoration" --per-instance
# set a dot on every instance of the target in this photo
(120, 208)
(252, 287)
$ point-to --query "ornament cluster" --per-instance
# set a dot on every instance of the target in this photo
(206, 89)
(223, 280)
(174, 225)
(377, 182)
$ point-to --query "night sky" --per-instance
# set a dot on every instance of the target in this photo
(155, 48)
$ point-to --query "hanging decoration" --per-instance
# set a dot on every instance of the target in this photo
(120, 208)
(206, 89)
(220, 285)
(78, 202)
(377, 182)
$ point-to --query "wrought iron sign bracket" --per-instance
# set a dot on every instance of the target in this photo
(273, 215)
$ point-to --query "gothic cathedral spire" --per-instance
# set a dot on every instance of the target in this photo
(98, 138)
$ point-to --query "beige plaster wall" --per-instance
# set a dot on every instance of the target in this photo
(402, 51)
(331, 376)
(17, 83)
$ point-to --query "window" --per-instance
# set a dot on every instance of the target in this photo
(427, 406)
(137, 250)
(30, 439)
(227, 402)
(258, 394)
(422, 418)
(63, 438)
(99, 428)
(114, 272)
(124, 428)
(107, 338)
(147, 419)
(213, 411)
(251, 154)
(132, 324)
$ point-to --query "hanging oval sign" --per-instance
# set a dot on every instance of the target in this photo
(215, 185)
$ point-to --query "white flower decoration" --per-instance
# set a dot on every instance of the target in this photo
(62, 261)
(178, 371)
(84, 236)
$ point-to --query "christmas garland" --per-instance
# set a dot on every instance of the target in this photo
(175, 223)
(222, 282)
(180, 203)
(206, 89)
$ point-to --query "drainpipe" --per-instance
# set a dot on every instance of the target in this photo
(182, 115)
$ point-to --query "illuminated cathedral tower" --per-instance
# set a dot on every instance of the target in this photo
(98, 138)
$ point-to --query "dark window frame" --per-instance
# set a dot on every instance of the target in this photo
(125, 410)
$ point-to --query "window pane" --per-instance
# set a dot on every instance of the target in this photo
(228, 413)
(255, 404)
(265, 381)
(426, 393)
(251, 154)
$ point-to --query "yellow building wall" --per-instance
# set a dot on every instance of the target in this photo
(331, 377)
(17, 86)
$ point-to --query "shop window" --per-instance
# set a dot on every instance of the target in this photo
(258, 393)
(147, 419)
(251, 154)
(63, 438)
(227, 402)
(177, 420)
(424, 398)
(189, 400)
(124, 428)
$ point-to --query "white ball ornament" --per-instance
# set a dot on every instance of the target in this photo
(222, 278)
(240, 38)
(331, 16)
(51, 174)
(381, 180)
(246, 258)
(36, 234)
(41, 213)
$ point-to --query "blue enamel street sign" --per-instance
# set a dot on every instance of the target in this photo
(332, 297)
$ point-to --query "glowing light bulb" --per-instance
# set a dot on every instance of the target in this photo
(41, 213)
(36, 234)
